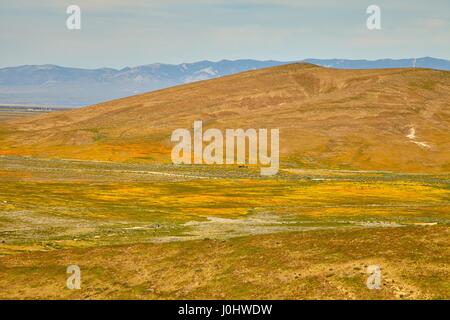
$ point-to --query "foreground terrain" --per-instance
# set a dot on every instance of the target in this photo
(327, 264)
(160, 231)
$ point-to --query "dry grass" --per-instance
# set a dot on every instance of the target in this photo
(307, 265)
(354, 119)
(296, 236)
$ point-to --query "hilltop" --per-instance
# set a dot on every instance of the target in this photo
(385, 119)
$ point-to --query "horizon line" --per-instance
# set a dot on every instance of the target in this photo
(215, 61)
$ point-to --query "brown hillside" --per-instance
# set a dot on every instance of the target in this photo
(392, 119)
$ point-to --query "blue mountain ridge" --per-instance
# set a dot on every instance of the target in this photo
(57, 85)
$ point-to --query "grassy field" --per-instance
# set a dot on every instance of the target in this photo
(162, 231)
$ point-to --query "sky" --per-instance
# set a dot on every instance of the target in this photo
(119, 33)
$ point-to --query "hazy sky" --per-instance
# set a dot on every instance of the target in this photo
(118, 33)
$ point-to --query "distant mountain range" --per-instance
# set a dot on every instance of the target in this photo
(56, 85)
(426, 62)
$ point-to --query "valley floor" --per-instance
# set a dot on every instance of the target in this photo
(166, 232)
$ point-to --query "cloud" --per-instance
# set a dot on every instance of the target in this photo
(118, 32)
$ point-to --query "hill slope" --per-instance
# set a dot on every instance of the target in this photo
(390, 119)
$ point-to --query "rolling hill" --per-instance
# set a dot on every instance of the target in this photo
(388, 119)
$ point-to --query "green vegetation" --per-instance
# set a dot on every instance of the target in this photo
(302, 234)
